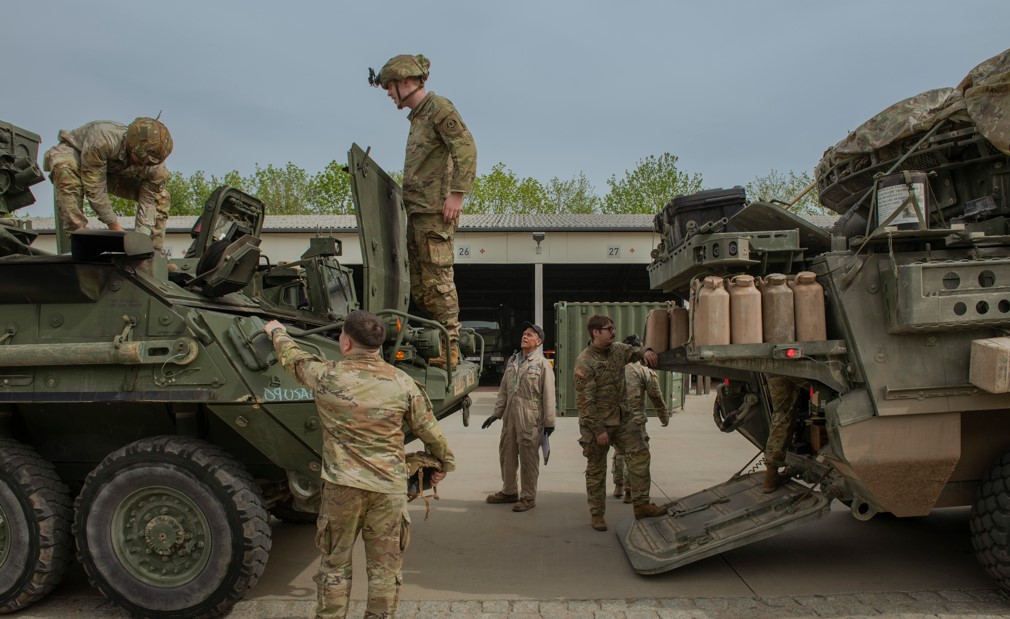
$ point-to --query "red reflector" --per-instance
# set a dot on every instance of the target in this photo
(791, 353)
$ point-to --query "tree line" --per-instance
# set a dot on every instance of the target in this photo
(646, 188)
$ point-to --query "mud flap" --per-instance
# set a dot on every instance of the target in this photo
(732, 514)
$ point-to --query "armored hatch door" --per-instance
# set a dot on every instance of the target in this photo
(228, 215)
(382, 230)
(732, 514)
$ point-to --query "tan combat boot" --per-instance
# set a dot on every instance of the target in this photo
(501, 497)
(439, 361)
(599, 523)
(523, 505)
(627, 496)
(649, 510)
(619, 490)
(772, 479)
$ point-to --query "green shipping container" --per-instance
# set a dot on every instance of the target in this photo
(572, 337)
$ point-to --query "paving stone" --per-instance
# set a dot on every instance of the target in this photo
(956, 595)
(554, 608)
(466, 607)
(525, 607)
(677, 613)
(711, 603)
(582, 606)
(430, 608)
(779, 602)
(642, 613)
(609, 614)
(496, 606)
(611, 605)
(642, 604)
(678, 603)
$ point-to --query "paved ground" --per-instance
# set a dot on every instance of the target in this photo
(471, 559)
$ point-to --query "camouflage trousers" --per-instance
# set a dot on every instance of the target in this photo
(784, 392)
(519, 455)
(384, 525)
(620, 466)
(68, 192)
(626, 438)
(431, 252)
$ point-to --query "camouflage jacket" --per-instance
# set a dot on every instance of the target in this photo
(363, 402)
(441, 156)
(526, 397)
(100, 145)
(641, 381)
(600, 385)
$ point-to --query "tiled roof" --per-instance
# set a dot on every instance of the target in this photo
(489, 223)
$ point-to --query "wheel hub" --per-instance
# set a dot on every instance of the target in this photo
(160, 536)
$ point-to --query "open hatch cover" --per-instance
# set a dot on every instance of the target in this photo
(729, 515)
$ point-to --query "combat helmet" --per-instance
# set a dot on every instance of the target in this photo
(398, 68)
(148, 140)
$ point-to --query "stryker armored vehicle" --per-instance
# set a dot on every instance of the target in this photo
(904, 405)
(144, 421)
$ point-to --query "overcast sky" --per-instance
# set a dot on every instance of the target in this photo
(734, 89)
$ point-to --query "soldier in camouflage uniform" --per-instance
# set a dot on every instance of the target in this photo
(640, 382)
(363, 402)
(526, 401)
(439, 169)
(604, 419)
(784, 392)
(105, 157)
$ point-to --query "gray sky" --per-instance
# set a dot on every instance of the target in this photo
(733, 88)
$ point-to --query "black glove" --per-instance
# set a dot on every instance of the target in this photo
(487, 423)
(549, 431)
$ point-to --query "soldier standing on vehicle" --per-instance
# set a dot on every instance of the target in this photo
(363, 402)
(527, 405)
(105, 157)
(439, 169)
(640, 382)
(604, 419)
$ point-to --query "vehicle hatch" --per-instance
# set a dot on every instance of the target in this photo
(729, 515)
(382, 228)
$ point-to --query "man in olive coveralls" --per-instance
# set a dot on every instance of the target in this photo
(526, 403)
(604, 419)
(105, 157)
(362, 402)
(439, 169)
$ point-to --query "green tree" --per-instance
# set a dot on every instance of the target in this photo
(576, 195)
(284, 190)
(778, 187)
(653, 183)
(331, 191)
(501, 191)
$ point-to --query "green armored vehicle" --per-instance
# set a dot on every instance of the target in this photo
(146, 426)
(905, 403)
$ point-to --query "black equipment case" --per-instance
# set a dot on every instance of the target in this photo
(684, 215)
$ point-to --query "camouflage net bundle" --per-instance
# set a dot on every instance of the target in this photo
(420, 466)
(971, 125)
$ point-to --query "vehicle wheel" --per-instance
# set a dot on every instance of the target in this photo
(35, 541)
(990, 523)
(171, 526)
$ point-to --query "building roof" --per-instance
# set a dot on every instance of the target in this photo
(597, 222)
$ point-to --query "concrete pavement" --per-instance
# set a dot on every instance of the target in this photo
(471, 559)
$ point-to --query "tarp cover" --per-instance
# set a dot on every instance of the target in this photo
(982, 98)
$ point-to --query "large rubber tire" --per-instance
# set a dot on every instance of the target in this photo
(990, 523)
(36, 546)
(172, 527)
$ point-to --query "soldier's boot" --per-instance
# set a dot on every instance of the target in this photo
(649, 510)
(772, 479)
(599, 523)
(627, 496)
(523, 505)
(501, 497)
(439, 361)
(619, 490)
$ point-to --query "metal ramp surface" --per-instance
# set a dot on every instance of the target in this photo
(729, 515)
